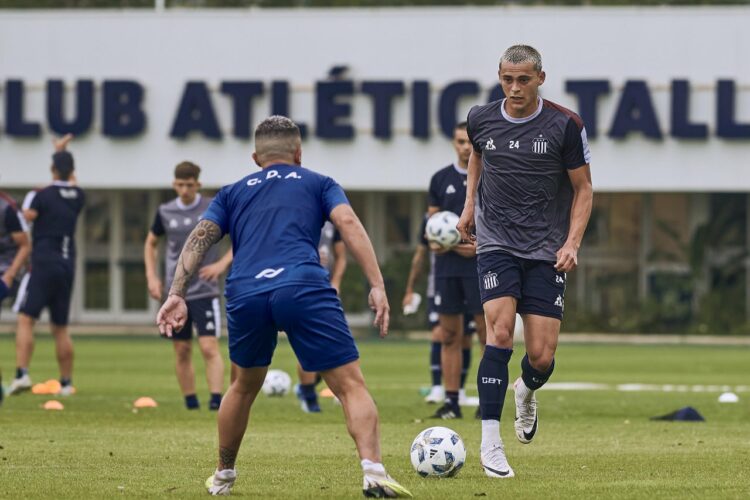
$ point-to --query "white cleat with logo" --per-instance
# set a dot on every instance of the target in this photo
(221, 482)
(19, 385)
(436, 395)
(494, 462)
(527, 419)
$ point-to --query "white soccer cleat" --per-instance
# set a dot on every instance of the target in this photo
(494, 462)
(20, 385)
(221, 482)
(382, 485)
(436, 395)
(66, 390)
(527, 419)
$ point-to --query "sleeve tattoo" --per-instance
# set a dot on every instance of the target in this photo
(203, 237)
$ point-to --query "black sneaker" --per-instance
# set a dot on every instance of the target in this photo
(448, 412)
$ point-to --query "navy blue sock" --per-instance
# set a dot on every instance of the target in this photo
(215, 401)
(492, 381)
(466, 360)
(452, 399)
(191, 402)
(64, 381)
(308, 391)
(435, 370)
(20, 372)
(532, 378)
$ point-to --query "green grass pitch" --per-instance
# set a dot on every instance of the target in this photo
(591, 444)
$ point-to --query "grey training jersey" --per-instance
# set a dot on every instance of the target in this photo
(176, 221)
(328, 237)
(10, 222)
(524, 194)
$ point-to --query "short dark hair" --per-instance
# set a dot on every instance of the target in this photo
(461, 125)
(63, 163)
(277, 127)
(276, 137)
(187, 170)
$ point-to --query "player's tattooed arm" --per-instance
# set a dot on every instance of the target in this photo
(201, 239)
(226, 458)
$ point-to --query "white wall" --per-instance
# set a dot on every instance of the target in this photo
(163, 51)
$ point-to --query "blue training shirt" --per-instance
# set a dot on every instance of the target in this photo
(274, 218)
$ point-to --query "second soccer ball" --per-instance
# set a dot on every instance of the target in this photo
(441, 229)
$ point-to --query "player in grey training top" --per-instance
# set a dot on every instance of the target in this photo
(176, 219)
(15, 245)
(529, 196)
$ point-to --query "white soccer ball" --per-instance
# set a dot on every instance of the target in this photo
(438, 452)
(277, 383)
(441, 229)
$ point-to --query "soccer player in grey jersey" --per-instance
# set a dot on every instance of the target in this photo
(175, 220)
(529, 198)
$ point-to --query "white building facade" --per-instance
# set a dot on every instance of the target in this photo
(377, 92)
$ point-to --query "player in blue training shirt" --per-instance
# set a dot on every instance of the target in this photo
(529, 196)
(274, 218)
(54, 211)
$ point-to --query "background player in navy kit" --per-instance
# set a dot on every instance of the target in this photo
(15, 245)
(54, 211)
(175, 220)
(276, 283)
(14, 249)
(332, 251)
(530, 210)
(437, 392)
(456, 289)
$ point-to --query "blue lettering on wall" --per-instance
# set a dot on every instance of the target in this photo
(726, 127)
(382, 94)
(448, 100)
(242, 94)
(680, 123)
(420, 109)
(84, 115)
(280, 103)
(588, 91)
(123, 116)
(635, 112)
(332, 114)
(15, 124)
(496, 93)
(195, 113)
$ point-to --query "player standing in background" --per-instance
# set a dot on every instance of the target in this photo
(529, 197)
(54, 212)
(274, 218)
(456, 289)
(15, 248)
(332, 253)
(437, 392)
(175, 220)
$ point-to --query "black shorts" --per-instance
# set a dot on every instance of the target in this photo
(457, 296)
(539, 288)
(50, 284)
(433, 318)
(205, 315)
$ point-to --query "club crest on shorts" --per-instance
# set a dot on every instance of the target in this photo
(490, 281)
(539, 145)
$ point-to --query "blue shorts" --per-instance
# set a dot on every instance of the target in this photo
(50, 285)
(433, 318)
(539, 288)
(457, 295)
(205, 315)
(312, 318)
